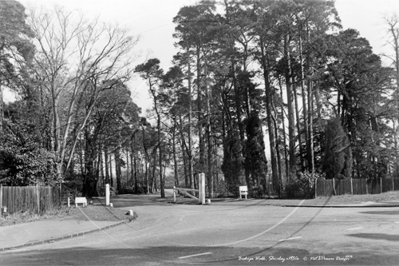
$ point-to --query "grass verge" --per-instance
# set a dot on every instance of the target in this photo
(347, 199)
(91, 212)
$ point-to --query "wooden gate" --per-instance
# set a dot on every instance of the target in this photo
(200, 190)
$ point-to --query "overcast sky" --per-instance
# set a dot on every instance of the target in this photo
(152, 19)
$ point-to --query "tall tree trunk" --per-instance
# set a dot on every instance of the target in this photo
(106, 163)
(277, 142)
(161, 179)
(298, 126)
(304, 104)
(269, 98)
(187, 179)
(132, 169)
(102, 167)
(284, 132)
(82, 162)
(118, 170)
(310, 116)
(176, 177)
(190, 110)
(199, 103)
(146, 159)
(240, 123)
(158, 114)
(291, 120)
(128, 167)
(209, 130)
(97, 180)
(111, 177)
(136, 170)
(154, 177)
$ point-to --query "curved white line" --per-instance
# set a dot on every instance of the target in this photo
(242, 240)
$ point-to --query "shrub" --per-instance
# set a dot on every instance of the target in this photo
(300, 187)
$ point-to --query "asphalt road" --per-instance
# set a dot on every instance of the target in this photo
(229, 234)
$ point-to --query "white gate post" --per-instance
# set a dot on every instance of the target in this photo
(107, 195)
(201, 187)
(174, 193)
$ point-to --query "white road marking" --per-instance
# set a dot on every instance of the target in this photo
(356, 228)
(195, 255)
(246, 239)
(291, 238)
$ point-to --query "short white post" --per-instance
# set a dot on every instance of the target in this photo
(201, 182)
(69, 202)
(174, 194)
(107, 195)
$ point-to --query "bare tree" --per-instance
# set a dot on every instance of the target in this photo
(392, 23)
(77, 57)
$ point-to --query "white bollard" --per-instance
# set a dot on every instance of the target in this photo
(201, 188)
(208, 201)
(107, 195)
(69, 202)
(174, 194)
(111, 205)
(131, 212)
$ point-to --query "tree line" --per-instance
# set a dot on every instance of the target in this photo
(259, 93)
(276, 89)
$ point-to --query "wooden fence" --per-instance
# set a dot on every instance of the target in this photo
(37, 199)
(326, 187)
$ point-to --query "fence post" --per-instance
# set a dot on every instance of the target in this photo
(381, 185)
(351, 186)
(1, 196)
(335, 192)
(315, 188)
(367, 187)
(38, 198)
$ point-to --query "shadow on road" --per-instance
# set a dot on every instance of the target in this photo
(396, 212)
(377, 236)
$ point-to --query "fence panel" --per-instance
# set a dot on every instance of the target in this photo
(320, 187)
(29, 199)
(339, 186)
(396, 184)
(343, 186)
(358, 186)
(387, 185)
(328, 187)
(373, 186)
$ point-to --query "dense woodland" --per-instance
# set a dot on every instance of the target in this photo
(270, 94)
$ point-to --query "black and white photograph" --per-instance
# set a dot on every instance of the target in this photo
(199, 132)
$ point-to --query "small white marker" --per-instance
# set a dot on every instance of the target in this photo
(195, 255)
(291, 238)
(356, 228)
